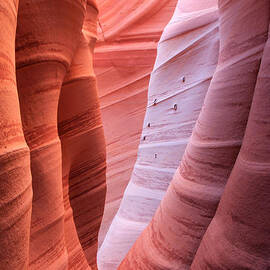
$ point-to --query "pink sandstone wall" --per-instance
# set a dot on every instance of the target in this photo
(124, 57)
(175, 96)
(238, 237)
(198, 193)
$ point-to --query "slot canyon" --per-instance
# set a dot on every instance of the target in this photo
(135, 135)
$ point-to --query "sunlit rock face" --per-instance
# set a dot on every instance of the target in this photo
(227, 151)
(124, 57)
(186, 60)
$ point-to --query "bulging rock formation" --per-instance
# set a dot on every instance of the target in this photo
(208, 110)
(15, 175)
(175, 97)
(124, 57)
(43, 55)
(172, 238)
(83, 148)
(56, 94)
(242, 224)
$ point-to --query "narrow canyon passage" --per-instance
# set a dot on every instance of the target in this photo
(125, 52)
(175, 97)
(134, 135)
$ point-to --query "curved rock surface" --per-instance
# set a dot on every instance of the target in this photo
(175, 97)
(172, 238)
(43, 55)
(83, 149)
(15, 175)
(56, 90)
(242, 224)
(208, 109)
(124, 57)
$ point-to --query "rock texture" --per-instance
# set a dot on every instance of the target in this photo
(43, 55)
(172, 238)
(15, 175)
(175, 96)
(208, 109)
(242, 224)
(56, 89)
(124, 58)
(83, 148)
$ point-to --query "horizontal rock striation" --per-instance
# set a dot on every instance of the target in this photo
(242, 224)
(52, 191)
(83, 149)
(175, 97)
(15, 174)
(125, 53)
(172, 238)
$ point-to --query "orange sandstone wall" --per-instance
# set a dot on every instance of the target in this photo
(15, 174)
(52, 147)
(44, 53)
(83, 149)
(215, 212)
(124, 58)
